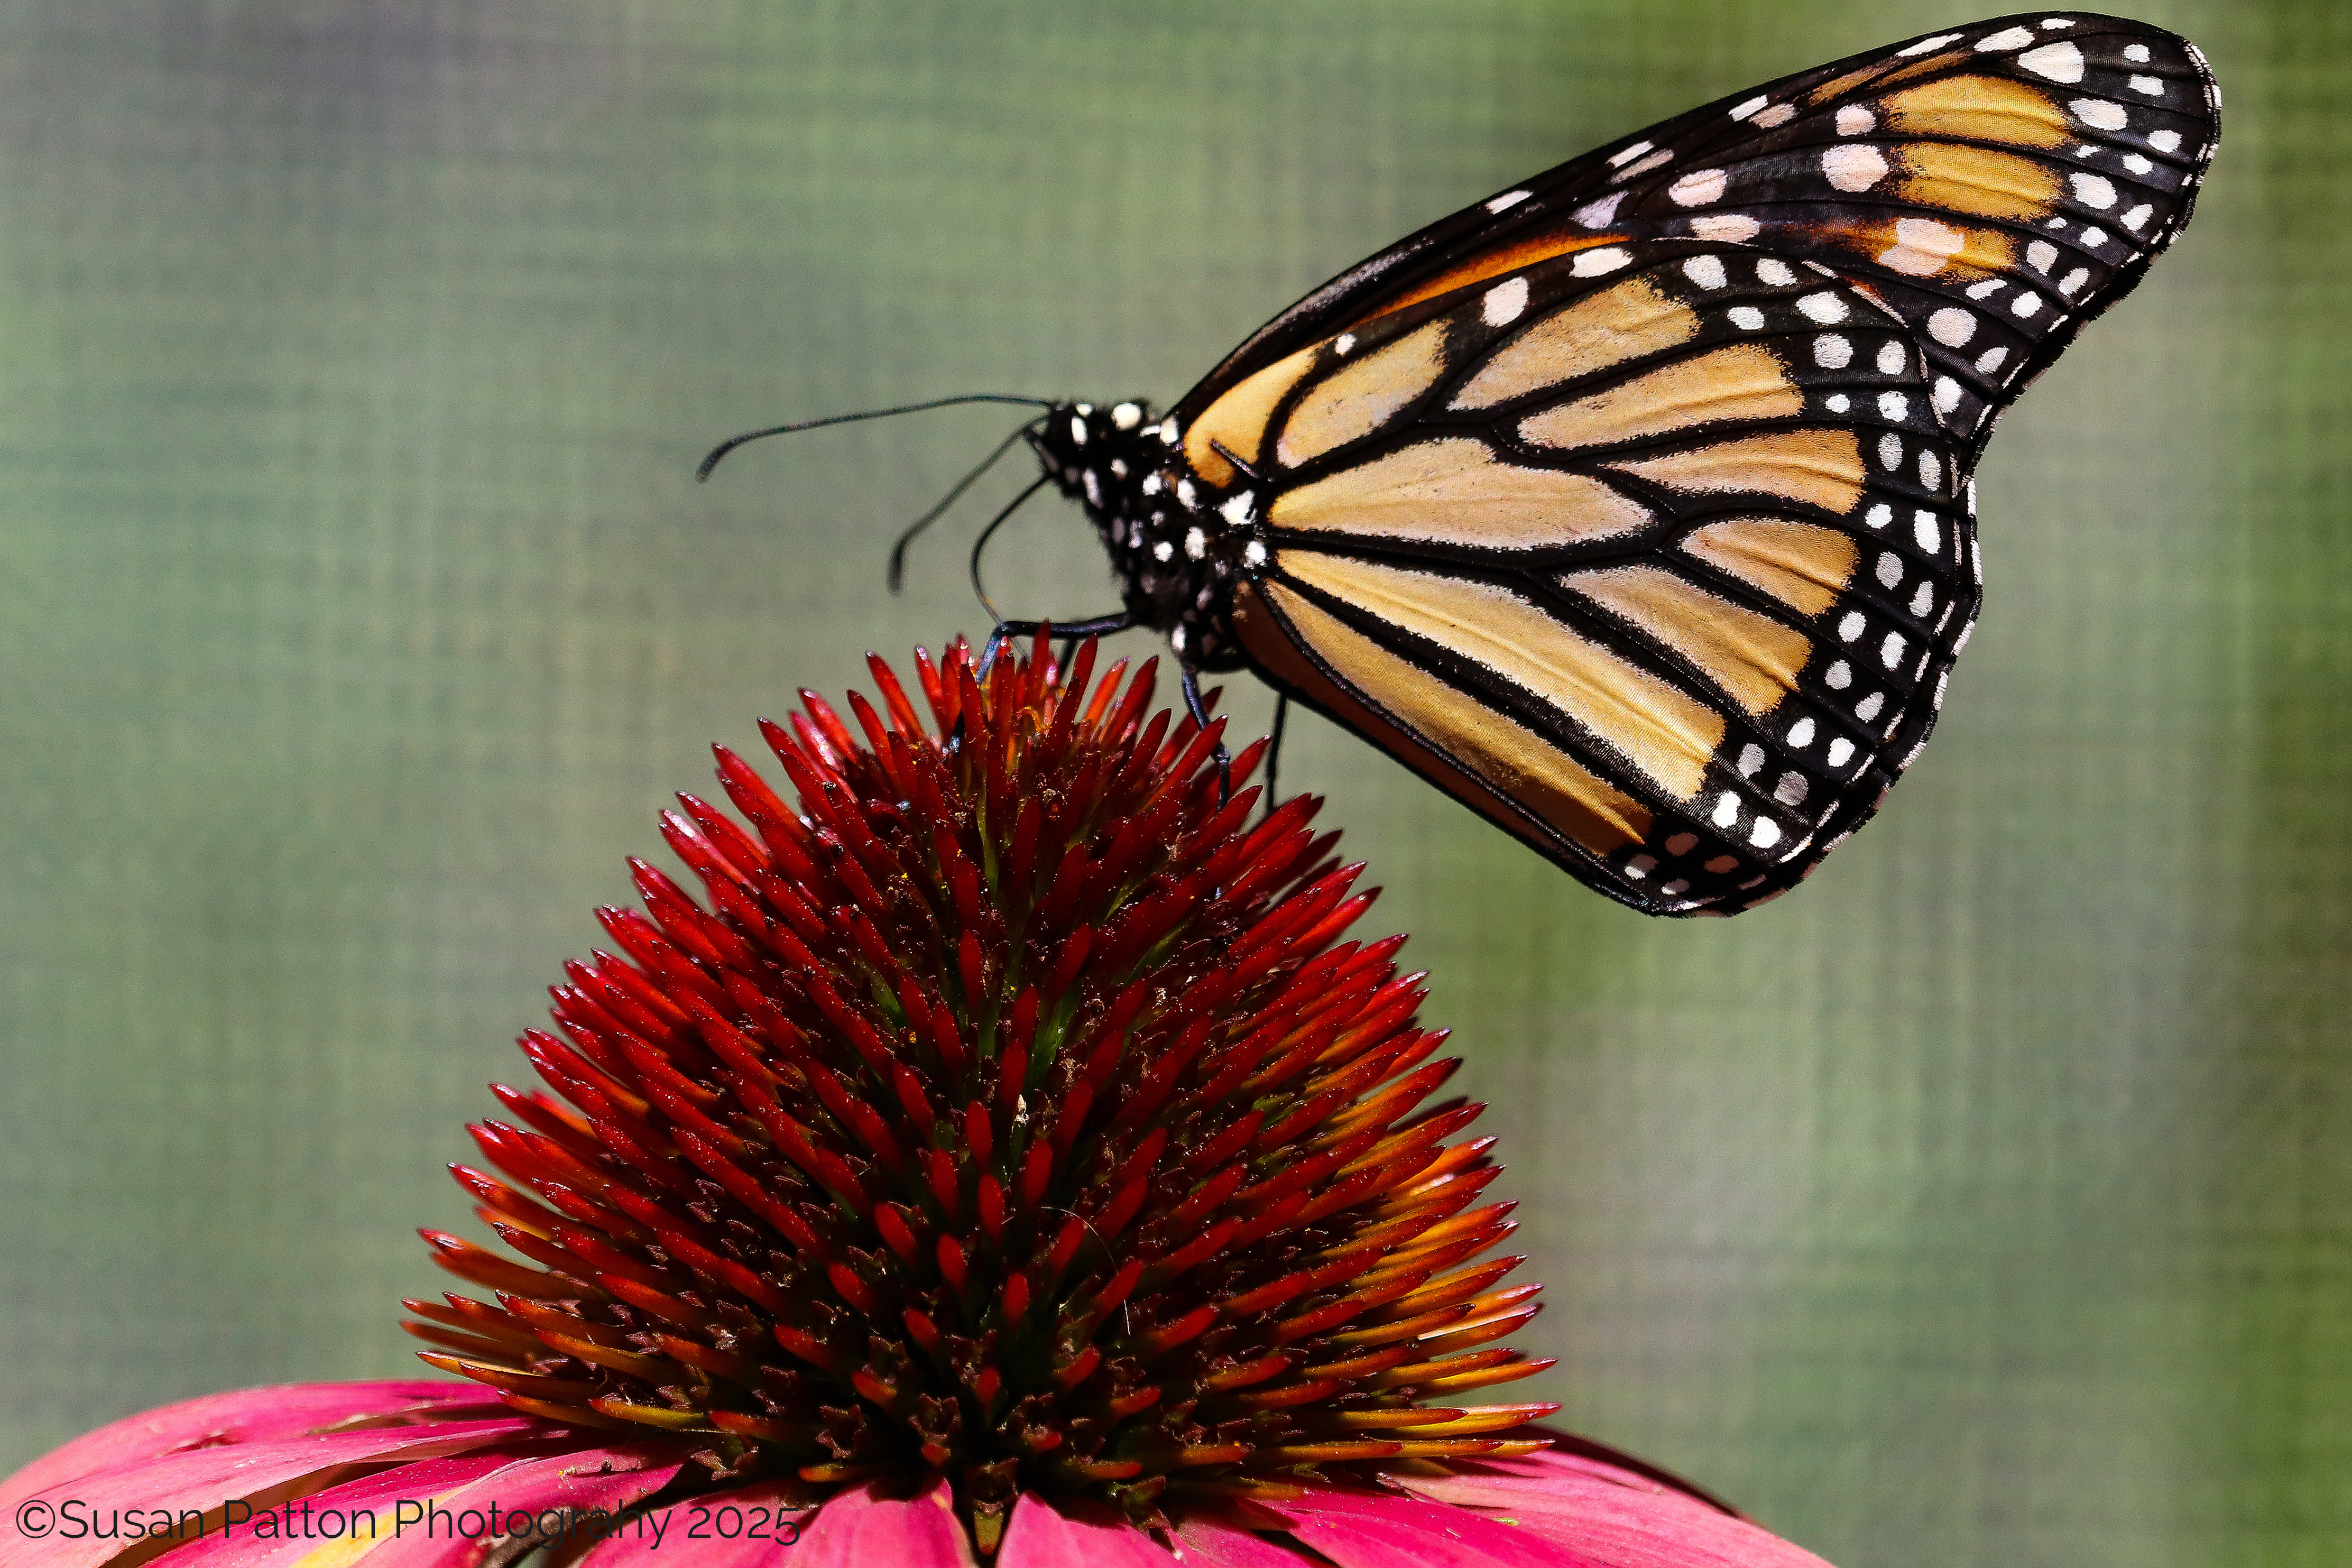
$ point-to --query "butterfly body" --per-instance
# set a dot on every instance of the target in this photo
(1632, 505)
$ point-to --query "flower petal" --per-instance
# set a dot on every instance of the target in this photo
(693, 1534)
(247, 1415)
(1212, 1544)
(546, 1495)
(202, 1478)
(1609, 1515)
(1374, 1530)
(1076, 1535)
(858, 1529)
(366, 1509)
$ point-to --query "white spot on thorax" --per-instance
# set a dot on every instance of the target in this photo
(1119, 468)
(1196, 544)
(1825, 308)
(1707, 271)
(2098, 113)
(1855, 166)
(1187, 496)
(1504, 302)
(1127, 415)
(1151, 483)
(1077, 431)
(1164, 551)
(1853, 120)
(1237, 509)
(1254, 553)
(1094, 489)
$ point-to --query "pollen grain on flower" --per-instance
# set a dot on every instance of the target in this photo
(1013, 1111)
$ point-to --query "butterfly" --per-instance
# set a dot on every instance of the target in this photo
(1632, 506)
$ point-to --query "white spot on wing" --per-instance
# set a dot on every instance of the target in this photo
(1825, 308)
(2136, 219)
(1951, 326)
(1747, 318)
(1890, 451)
(1926, 532)
(1921, 246)
(2163, 141)
(1831, 351)
(1593, 263)
(1507, 201)
(2092, 190)
(1765, 833)
(1853, 120)
(2040, 255)
(2098, 112)
(1892, 358)
(1849, 629)
(1890, 569)
(1775, 273)
(1839, 750)
(1697, 188)
(2150, 85)
(1839, 675)
(1801, 733)
(1931, 469)
(2007, 38)
(1867, 709)
(1597, 214)
(2074, 280)
(1990, 361)
(1779, 114)
(1893, 406)
(1625, 155)
(1726, 809)
(1927, 46)
(1890, 652)
(2136, 53)
(1947, 395)
(1504, 302)
(1734, 227)
(1749, 108)
(2058, 62)
(1854, 167)
(1707, 271)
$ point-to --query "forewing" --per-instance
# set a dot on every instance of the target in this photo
(1654, 553)
(1996, 186)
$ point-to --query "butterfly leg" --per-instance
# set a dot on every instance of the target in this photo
(1200, 711)
(1273, 750)
(1004, 632)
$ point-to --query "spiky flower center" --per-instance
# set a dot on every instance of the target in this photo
(1013, 1111)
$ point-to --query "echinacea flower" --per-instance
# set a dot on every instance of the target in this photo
(1005, 1158)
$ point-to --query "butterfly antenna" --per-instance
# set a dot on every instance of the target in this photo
(897, 576)
(979, 589)
(702, 472)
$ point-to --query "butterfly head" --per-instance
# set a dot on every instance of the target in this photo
(1176, 555)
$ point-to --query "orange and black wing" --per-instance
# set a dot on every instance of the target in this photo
(1631, 507)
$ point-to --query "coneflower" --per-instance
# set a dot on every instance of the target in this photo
(1006, 1153)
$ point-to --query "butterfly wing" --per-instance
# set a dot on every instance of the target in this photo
(1998, 186)
(1630, 505)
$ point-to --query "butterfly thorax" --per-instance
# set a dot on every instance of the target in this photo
(1175, 558)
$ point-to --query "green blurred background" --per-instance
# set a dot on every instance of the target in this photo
(1985, 1203)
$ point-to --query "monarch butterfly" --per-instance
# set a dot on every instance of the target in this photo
(1632, 505)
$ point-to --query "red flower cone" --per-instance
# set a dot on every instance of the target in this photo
(1007, 1156)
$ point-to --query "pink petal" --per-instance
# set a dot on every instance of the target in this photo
(202, 1480)
(542, 1499)
(1611, 1516)
(1076, 1535)
(700, 1533)
(247, 1415)
(856, 1528)
(334, 1514)
(1374, 1530)
(1210, 1543)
